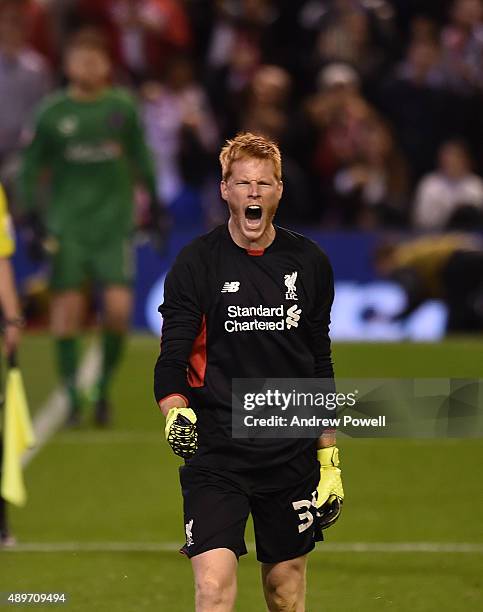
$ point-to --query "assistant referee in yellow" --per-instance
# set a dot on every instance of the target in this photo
(11, 320)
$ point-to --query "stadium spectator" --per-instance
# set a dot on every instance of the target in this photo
(335, 119)
(236, 23)
(234, 54)
(201, 16)
(267, 105)
(37, 25)
(446, 267)
(350, 31)
(422, 64)
(452, 187)
(183, 135)
(24, 79)
(373, 190)
(462, 43)
(348, 39)
(409, 10)
(145, 34)
(11, 322)
(91, 140)
(267, 111)
(417, 102)
(64, 18)
(423, 29)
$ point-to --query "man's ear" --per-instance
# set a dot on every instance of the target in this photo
(223, 190)
(280, 184)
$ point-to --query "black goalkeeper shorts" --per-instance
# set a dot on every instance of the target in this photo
(217, 505)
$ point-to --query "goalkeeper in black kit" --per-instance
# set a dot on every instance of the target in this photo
(247, 300)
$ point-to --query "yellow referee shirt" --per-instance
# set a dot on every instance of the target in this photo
(7, 244)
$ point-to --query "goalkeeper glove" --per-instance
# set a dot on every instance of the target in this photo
(181, 432)
(330, 494)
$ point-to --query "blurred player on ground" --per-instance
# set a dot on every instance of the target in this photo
(447, 267)
(292, 497)
(11, 323)
(90, 139)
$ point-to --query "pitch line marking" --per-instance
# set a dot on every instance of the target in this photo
(341, 547)
(53, 413)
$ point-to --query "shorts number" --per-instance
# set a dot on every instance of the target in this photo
(306, 517)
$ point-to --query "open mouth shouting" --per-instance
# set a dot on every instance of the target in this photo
(253, 215)
(252, 193)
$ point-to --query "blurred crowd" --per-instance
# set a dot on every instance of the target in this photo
(375, 103)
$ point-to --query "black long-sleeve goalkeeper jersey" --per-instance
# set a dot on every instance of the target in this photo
(231, 313)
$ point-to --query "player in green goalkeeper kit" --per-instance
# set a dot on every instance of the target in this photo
(90, 140)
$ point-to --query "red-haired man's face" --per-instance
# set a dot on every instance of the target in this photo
(252, 193)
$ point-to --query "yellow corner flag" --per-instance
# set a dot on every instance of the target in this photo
(18, 435)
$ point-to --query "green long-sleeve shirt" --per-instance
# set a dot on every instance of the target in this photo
(94, 151)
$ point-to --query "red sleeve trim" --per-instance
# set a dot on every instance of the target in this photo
(198, 360)
(173, 395)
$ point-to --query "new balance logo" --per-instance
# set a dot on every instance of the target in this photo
(293, 316)
(231, 287)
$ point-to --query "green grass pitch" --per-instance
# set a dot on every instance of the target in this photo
(104, 513)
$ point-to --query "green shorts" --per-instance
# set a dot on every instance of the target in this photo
(111, 263)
